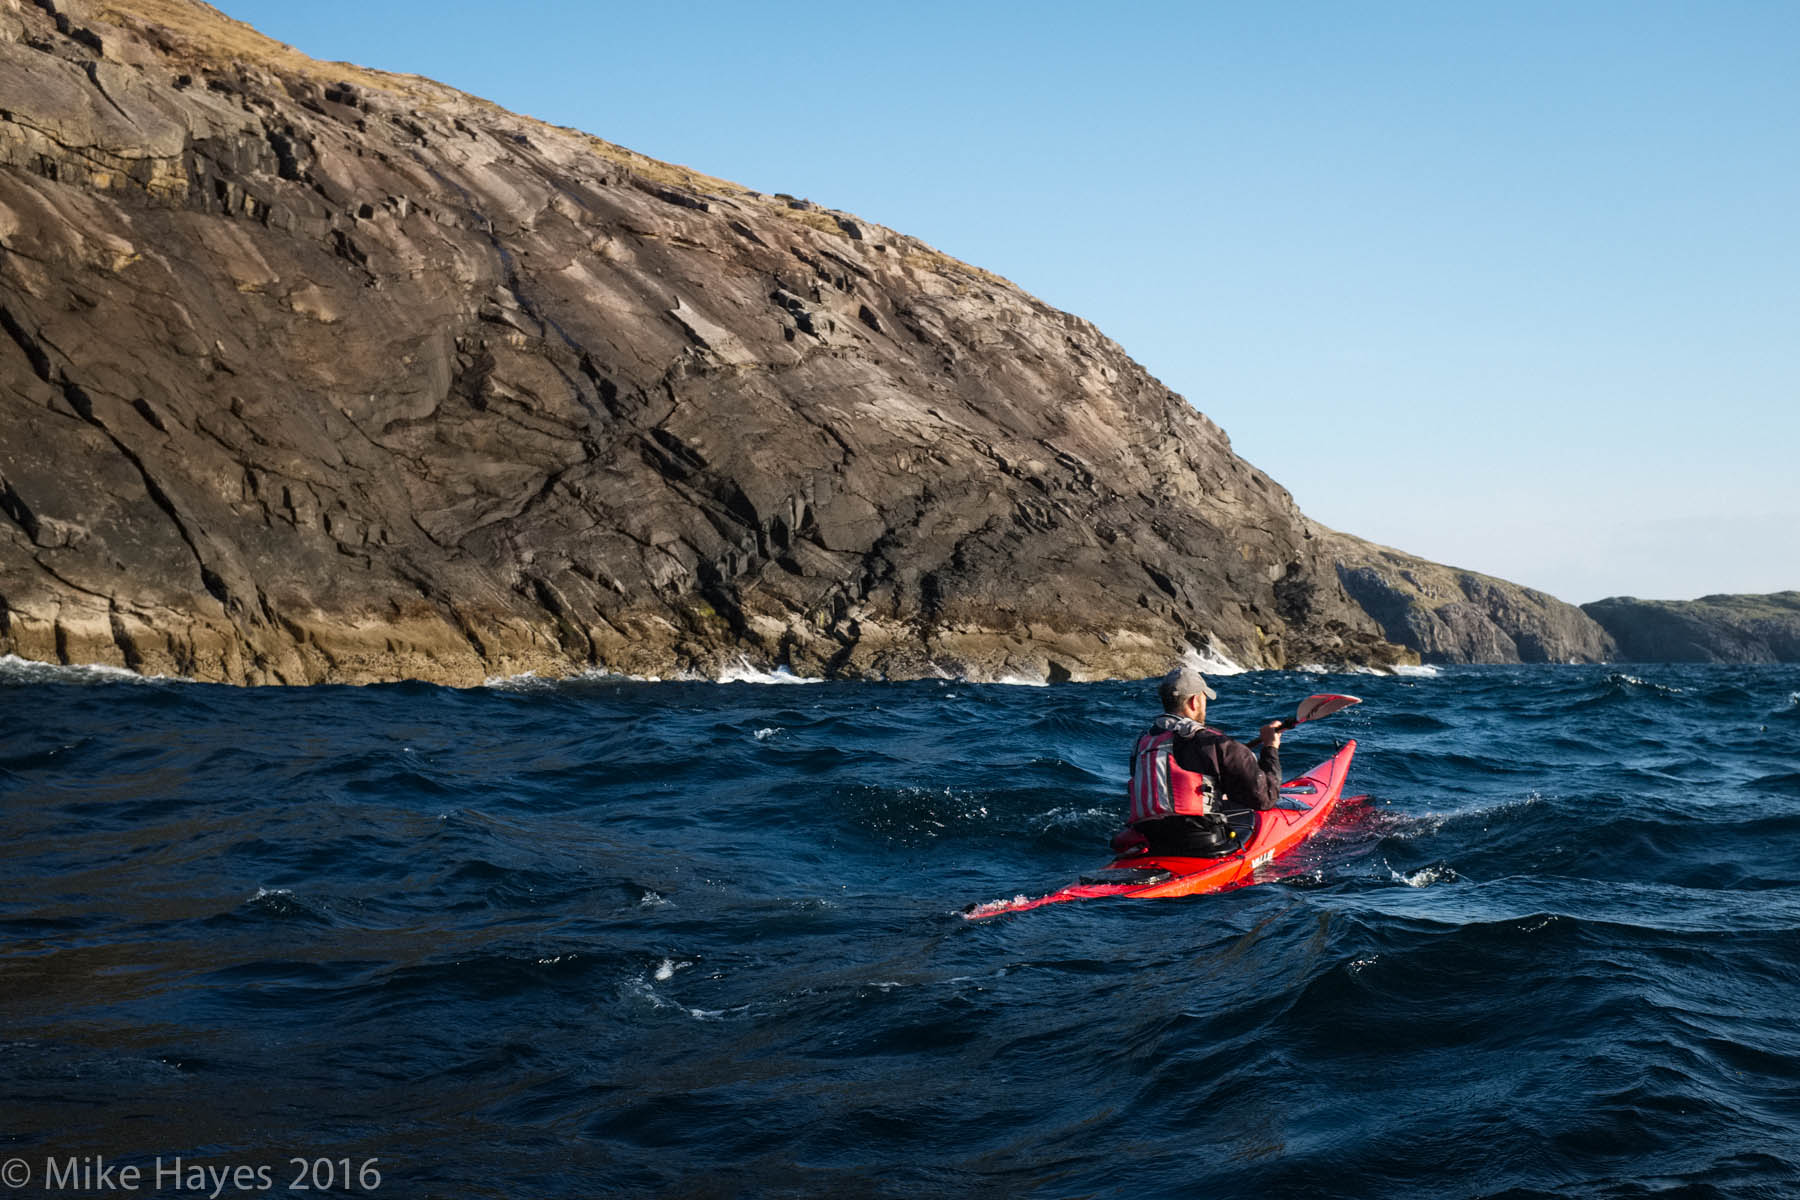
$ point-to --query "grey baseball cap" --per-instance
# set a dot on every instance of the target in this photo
(1185, 681)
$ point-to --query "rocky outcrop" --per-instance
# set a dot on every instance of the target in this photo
(313, 373)
(1450, 615)
(1739, 629)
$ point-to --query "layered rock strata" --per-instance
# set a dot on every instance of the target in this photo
(312, 373)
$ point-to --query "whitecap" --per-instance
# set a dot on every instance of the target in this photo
(1023, 681)
(640, 987)
(1058, 818)
(666, 969)
(1422, 671)
(531, 681)
(742, 672)
(524, 681)
(652, 899)
(1211, 661)
(767, 732)
(14, 669)
(1663, 689)
(1424, 877)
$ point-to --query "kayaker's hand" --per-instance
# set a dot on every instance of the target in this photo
(1271, 735)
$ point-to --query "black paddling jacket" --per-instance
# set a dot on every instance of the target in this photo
(1247, 780)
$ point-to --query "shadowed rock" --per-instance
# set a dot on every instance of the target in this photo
(315, 373)
(1450, 615)
(1710, 629)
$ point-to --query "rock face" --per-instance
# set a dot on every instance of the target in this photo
(312, 373)
(1449, 615)
(1737, 629)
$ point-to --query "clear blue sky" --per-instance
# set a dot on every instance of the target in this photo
(1514, 286)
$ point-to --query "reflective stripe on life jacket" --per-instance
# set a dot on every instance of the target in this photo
(1161, 788)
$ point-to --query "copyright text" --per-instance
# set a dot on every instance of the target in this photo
(95, 1174)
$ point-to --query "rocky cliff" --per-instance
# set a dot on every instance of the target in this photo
(1448, 615)
(1710, 629)
(313, 373)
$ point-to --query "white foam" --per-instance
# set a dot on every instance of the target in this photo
(742, 672)
(1211, 661)
(14, 669)
(1058, 818)
(1424, 877)
(1407, 827)
(764, 734)
(641, 987)
(1022, 681)
(531, 681)
(994, 906)
(1423, 671)
(1632, 680)
(524, 681)
(652, 899)
(666, 969)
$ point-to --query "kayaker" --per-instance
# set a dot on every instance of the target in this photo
(1186, 779)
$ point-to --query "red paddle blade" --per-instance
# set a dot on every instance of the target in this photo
(1314, 707)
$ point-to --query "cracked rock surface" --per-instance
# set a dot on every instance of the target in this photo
(319, 374)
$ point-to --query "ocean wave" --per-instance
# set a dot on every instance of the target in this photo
(1409, 826)
(743, 672)
(1211, 661)
(16, 670)
(1624, 681)
(1424, 877)
(531, 681)
(1421, 671)
(689, 920)
(639, 987)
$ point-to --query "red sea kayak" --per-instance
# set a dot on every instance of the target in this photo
(1305, 804)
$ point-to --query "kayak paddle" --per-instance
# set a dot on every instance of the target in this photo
(1314, 707)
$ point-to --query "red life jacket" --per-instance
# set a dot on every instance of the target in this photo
(1159, 785)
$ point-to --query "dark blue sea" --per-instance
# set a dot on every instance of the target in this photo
(606, 937)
